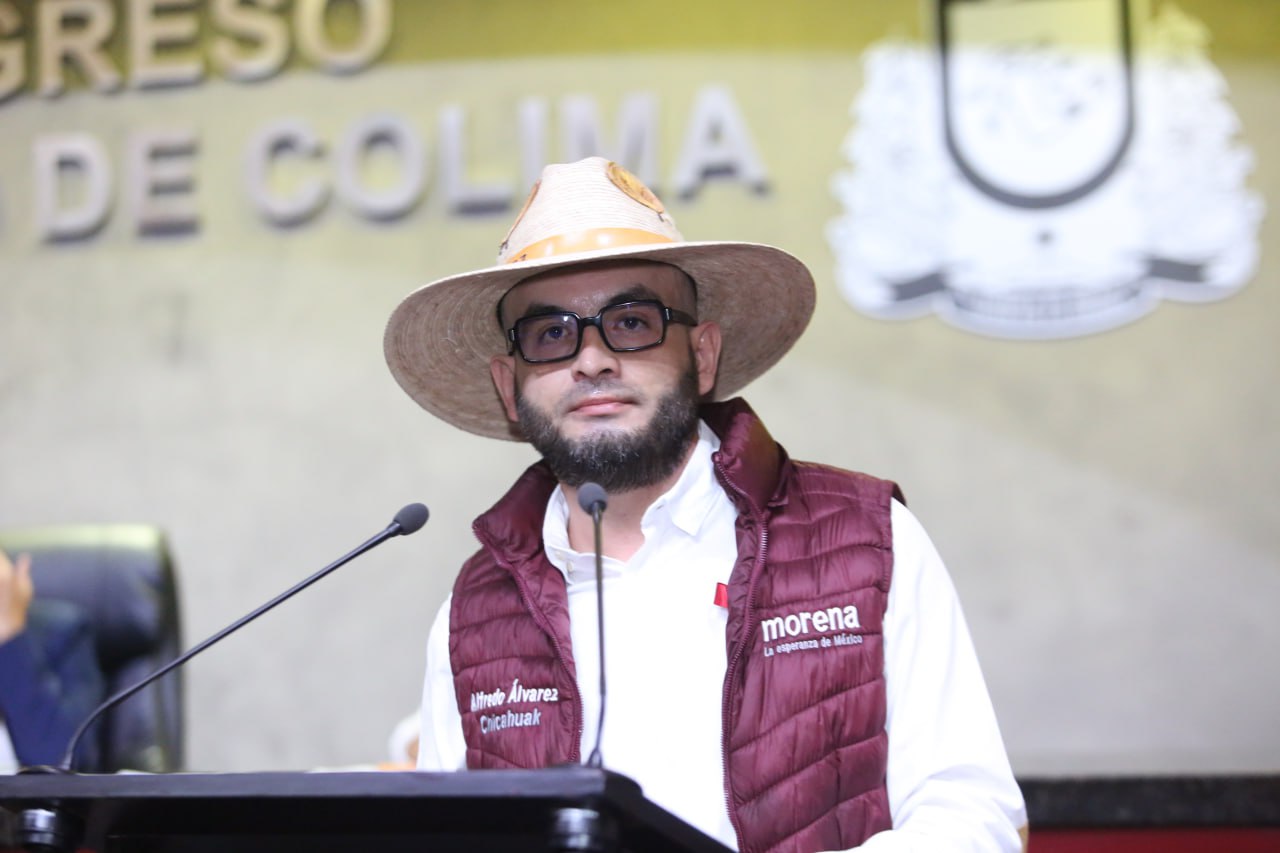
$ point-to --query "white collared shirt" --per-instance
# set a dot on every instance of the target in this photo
(949, 782)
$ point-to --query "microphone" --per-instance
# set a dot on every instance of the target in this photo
(593, 500)
(408, 520)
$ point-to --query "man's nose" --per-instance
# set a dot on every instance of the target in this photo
(594, 356)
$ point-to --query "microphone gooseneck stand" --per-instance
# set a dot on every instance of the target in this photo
(592, 498)
(48, 827)
(586, 828)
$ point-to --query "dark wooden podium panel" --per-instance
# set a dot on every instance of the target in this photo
(319, 812)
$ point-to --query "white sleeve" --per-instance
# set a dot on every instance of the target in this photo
(949, 781)
(442, 746)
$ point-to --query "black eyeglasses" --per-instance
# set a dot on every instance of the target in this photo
(625, 327)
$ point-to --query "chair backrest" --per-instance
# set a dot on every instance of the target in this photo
(123, 577)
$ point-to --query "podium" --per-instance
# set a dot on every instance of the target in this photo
(564, 808)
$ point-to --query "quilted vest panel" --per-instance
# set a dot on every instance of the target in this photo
(509, 645)
(805, 711)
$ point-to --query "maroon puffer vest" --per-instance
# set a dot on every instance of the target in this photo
(804, 703)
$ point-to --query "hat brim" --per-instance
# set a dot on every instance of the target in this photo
(439, 340)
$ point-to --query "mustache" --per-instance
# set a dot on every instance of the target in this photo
(586, 390)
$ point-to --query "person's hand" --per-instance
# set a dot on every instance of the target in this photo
(16, 591)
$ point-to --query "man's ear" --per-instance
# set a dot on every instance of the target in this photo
(705, 340)
(502, 368)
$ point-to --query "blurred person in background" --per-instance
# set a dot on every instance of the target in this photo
(49, 675)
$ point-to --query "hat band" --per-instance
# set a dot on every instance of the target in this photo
(590, 240)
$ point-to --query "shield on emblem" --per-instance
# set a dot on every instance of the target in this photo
(1037, 95)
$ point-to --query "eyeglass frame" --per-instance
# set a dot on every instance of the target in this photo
(669, 316)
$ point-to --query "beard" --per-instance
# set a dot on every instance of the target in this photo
(619, 461)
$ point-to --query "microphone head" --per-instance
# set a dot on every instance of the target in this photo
(592, 496)
(411, 518)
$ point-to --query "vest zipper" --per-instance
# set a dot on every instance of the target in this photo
(738, 650)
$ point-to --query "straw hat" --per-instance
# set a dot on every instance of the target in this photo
(439, 340)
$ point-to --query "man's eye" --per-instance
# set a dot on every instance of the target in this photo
(632, 321)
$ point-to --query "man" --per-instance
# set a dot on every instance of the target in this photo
(788, 667)
(49, 675)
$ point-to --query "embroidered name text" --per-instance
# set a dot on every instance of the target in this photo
(820, 621)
